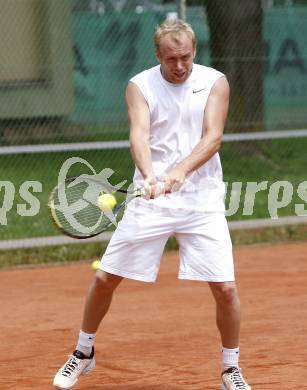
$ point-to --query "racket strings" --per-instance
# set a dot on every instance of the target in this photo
(76, 209)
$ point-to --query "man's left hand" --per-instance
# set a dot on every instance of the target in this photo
(174, 180)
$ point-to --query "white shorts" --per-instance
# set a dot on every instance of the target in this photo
(136, 247)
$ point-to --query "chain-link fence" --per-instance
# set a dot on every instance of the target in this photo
(65, 66)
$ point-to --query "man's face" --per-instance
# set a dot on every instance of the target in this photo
(176, 57)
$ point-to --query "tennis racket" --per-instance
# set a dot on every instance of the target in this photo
(74, 205)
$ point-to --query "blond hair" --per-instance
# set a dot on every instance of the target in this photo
(175, 28)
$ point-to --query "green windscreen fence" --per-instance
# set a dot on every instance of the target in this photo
(64, 70)
(285, 79)
(109, 50)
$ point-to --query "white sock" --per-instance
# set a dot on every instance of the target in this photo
(86, 342)
(230, 358)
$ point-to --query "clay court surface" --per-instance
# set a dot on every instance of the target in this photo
(158, 336)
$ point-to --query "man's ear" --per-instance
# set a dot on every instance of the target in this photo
(194, 55)
(158, 55)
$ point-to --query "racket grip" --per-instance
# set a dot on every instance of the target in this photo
(161, 186)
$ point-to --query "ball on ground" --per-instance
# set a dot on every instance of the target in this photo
(95, 265)
(106, 202)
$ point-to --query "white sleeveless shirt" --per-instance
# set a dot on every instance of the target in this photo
(176, 126)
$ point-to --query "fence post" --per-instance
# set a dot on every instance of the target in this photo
(181, 9)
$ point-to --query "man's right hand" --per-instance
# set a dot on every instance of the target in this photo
(153, 188)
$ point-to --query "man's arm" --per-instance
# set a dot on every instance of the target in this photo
(139, 120)
(214, 121)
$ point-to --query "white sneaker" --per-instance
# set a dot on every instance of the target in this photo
(232, 379)
(77, 364)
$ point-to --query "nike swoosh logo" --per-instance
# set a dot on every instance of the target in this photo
(198, 90)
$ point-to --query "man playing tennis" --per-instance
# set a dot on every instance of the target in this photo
(177, 112)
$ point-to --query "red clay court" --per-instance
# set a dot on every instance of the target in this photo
(159, 336)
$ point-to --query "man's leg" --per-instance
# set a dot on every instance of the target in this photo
(228, 323)
(97, 303)
(227, 312)
(98, 300)
(134, 251)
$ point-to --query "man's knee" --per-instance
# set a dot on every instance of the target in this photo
(105, 281)
(225, 293)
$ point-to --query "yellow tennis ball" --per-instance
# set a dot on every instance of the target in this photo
(95, 265)
(106, 202)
